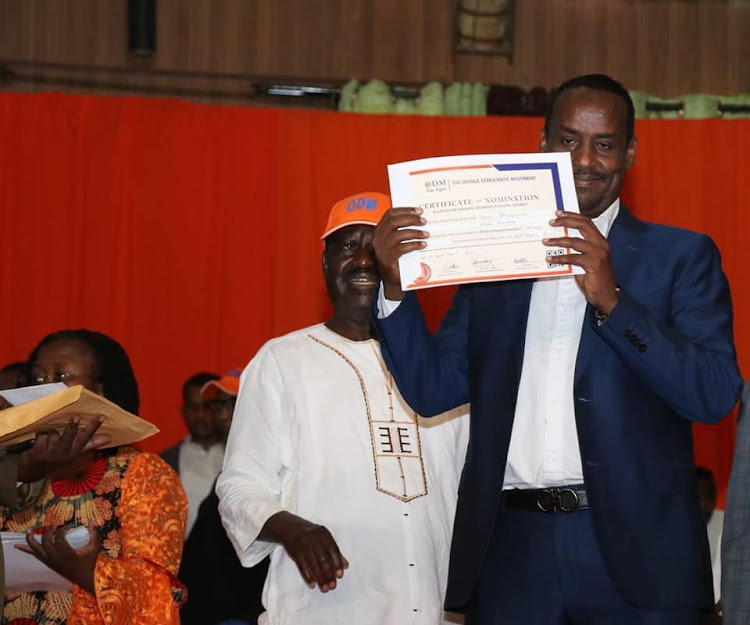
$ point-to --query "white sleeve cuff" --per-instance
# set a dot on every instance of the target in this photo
(386, 307)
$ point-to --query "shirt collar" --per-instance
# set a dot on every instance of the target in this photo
(188, 441)
(604, 221)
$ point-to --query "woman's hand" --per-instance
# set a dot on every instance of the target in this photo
(52, 450)
(77, 565)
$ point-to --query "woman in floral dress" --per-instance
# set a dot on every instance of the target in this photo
(131, 501)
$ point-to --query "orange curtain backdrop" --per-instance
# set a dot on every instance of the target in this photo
(191, 233)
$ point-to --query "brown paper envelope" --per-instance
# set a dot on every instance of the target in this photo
(21, 422)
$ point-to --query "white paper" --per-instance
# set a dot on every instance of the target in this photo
(23, 572)
(18, 396)
(487, 215)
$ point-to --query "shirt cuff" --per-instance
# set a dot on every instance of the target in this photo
(386, 307)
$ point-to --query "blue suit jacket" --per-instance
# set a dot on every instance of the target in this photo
(665, 357)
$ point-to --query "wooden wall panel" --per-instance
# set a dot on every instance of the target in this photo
(665, 47)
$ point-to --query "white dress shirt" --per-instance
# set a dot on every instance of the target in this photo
(315, 433)
(198, 470)
(544, 448)
(715, 529)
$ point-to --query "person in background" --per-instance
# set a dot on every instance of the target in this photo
(10, 375)
(328, 469)
(131, 502)
(196, 458)
(735, 542)
(219, 396)
(231, 593)
(579, 501)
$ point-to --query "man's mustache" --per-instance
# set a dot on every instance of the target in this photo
(369, 275)
(588, 172)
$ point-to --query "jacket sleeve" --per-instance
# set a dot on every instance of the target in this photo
(431, 371)
(140, 584)
(687, 360)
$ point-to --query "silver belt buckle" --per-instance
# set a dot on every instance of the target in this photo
(553, 500)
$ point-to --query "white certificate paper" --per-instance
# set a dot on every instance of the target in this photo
(18, 396)
(23, 572)
(487, 215)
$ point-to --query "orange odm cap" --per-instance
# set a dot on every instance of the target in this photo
(363, 208)
(230, 384)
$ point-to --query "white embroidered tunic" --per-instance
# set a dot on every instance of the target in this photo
(320, 431)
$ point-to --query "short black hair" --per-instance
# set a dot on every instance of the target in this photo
(19, 368)
(601, 82)
(14, 366)
(702, 473)
(112, 368)
(198, 379)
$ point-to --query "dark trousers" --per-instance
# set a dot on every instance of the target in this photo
(546, 569)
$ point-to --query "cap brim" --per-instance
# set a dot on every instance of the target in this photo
(349, 223)
(211, 389)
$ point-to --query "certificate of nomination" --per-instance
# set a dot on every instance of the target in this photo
(487, 215)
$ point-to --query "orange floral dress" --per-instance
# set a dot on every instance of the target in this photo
(139, 505)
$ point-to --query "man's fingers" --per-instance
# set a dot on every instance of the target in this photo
(579, 260)
(579, 245)
(399, 236)
(305, 570)
(12, 595)
(578, 222)
(316, 566)
(335, 558)
(331, 563)
(399, 211)
(398, 218)
(403, 221)
(405, 248)
(328, 565)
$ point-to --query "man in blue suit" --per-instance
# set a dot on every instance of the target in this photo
(578, 502)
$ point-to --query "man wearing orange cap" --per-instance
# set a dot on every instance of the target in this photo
(220, 396)
(198, 457)
(230, 592)
(327, 461)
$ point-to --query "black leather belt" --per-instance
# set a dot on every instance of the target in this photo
(550, 500)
